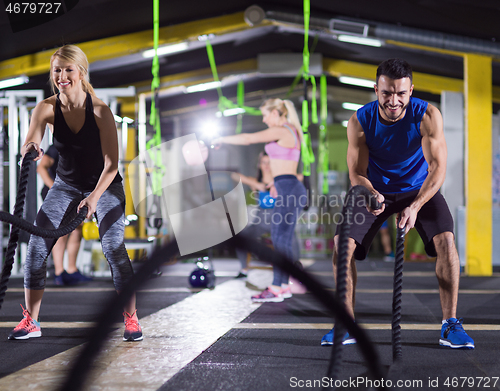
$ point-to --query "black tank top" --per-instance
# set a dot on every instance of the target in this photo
(80, 155)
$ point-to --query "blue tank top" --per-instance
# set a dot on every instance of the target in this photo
(396, 162)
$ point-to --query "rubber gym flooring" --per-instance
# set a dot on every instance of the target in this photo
(218, 340)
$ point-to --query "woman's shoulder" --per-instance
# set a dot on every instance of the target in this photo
(100, 108)
(97, 103)
(46, 107)
(288, 125)
(48, 102)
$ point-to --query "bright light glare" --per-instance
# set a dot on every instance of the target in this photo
(354, 81)
(204, 86)
(351, 106)
(360, 40)
(210, 130)
(16, 81)
(167, 49)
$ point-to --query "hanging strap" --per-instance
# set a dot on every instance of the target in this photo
(154, 119)
(323, 141)
(307, 151)
(225, 103)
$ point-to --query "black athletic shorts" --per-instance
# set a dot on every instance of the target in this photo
(432, 219)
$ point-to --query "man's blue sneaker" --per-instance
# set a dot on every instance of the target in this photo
(454, 336)
(327, 339)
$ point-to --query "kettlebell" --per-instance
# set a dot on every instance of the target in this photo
(203, 276)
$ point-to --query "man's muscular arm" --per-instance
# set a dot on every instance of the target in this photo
(435, 153)
(357, 160)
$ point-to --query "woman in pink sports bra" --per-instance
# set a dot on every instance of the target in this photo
(284, 138)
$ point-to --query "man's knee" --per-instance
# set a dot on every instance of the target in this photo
(444, 243)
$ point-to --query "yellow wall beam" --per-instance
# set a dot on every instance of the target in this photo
(422, 81)
(200, 75)
(424, 48)
(130, 153)
(122, 45)
(478, 175)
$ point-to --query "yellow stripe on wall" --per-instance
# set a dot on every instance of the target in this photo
(478, 171)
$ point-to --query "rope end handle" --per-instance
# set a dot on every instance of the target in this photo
(400, 232)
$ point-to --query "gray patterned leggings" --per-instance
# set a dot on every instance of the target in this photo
(58, 209)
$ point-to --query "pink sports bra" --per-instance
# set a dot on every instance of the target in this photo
(276, 151)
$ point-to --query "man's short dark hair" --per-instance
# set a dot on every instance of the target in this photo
(395, 69)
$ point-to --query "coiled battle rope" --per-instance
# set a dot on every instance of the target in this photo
(19, 224)
(77, 375)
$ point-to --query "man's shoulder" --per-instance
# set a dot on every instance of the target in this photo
(418, 107)
(367, 111)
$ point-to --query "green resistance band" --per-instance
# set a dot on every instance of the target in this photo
(225, 103)
(323, 141)
(307, 151)
(301, 71)
(154, 119)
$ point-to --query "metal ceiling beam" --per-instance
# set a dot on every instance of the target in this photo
(423, 81)
(127, 44)
(171, 82)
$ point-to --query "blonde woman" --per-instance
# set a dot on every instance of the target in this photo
(283, 138)
(85, 135)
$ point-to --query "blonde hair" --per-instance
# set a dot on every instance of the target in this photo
(287, 108)
(74, 55)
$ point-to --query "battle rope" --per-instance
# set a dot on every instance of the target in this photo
(397, 294)
(19, 224)
(80, 367)
(341, 283)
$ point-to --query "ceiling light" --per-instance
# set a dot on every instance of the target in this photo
(235, 111)
(204, 86)
(16, 81)
(360, 40)
(351, 106)
(167, 49)
(356, 82)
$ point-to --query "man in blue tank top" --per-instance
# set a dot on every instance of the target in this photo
(397, 150)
